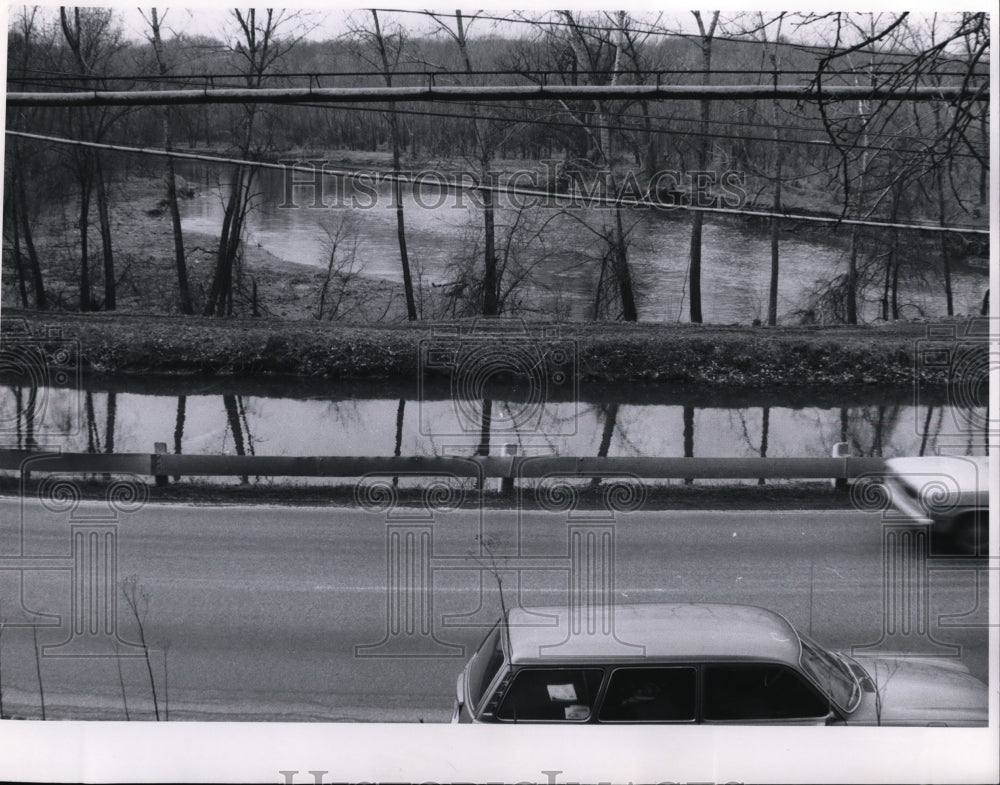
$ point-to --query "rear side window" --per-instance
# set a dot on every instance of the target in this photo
(759, 692)
(650, 695)
(551, 695)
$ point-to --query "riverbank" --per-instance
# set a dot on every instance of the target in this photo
(117, 343)
(301, 281)
(146, 273)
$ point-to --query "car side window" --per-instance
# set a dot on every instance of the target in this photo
(551, 695)
(759, 691)
(664, 694)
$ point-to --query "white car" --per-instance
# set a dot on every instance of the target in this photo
(701, 663)
(948, 493)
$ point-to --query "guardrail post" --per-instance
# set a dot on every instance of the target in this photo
(159, 448)
(507, 481)
(841, 450)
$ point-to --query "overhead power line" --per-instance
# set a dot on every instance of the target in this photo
(372, 176)
(636, 27)
(656, 128)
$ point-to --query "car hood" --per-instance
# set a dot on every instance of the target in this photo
(919, 691)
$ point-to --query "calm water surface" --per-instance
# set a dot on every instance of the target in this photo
(566, 255)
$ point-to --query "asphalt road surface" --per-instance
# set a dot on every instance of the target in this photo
(272, 613)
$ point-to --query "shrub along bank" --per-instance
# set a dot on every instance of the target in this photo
(121, 343)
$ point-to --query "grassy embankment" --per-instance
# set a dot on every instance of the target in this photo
(734, 357)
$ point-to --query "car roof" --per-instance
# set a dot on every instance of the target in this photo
(650, 631)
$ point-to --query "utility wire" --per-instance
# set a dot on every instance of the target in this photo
(445, 184)
(632, 28)
(632, 128)
(819, 129)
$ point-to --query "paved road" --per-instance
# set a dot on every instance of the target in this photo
(257, 613)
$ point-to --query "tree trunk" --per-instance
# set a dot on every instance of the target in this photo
(702, 156)
(233, 415)
(491, 286)
(623, 273)
(220, 293)
(943, 240)
(183, 289)
(852, 277)
(105, 224)
(490, 282)
(41, 302)
(10, 215)
(404, 259)
(485, 427)
(695, 268)
(688, 437)
(607, 432)
(83, 223)
(765, 427)
(772, 294)
(109, 425)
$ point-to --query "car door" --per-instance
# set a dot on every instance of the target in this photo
(536, 694)
(656, 694)
(760, 692)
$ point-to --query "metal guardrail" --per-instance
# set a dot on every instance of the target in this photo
(528, 467)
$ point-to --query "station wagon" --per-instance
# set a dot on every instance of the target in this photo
(699, 663)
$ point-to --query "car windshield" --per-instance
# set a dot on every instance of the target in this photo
(831, 674)
(484, 665)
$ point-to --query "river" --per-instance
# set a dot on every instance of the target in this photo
(296, 418)
(562, 250)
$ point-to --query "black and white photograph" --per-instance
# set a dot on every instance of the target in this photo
(503, 395)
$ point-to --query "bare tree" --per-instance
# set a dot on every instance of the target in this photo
(342, 251)
(388, 46)
(137, 599)
(706, 33)
(38, 668)
(774, 55)
(874, 169)
(258, 46)
(93, 37)
(154, 20)
(19, 206)
(588, 46)
(486, 140)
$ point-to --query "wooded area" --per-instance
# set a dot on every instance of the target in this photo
(879, 159)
